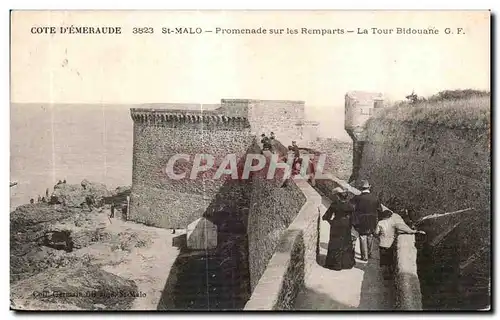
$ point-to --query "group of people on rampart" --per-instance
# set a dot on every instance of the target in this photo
(362, 217)
(268, 143)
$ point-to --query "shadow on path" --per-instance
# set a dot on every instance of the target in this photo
(215, 279)
(376, 293)
(310, 299)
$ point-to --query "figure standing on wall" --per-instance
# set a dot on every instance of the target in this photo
(112, 210)
(272, 140)
(296, 154)
(387, 229)
(340, 250)
(311, 170)
(47, 193)
(90, 201)
(295, 149)
(367, 207)
(297, 165)
(124, 212)
(39, 199)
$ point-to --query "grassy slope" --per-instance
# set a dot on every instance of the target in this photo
(465, 111)
(459, 109)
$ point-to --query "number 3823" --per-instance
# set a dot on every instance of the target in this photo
(145, 30)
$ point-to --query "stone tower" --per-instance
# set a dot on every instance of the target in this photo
(182, 132)
(359, 107)
(159, 135)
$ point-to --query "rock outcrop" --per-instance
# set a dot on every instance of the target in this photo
(57, 251)
(74, 195)
(88, 288)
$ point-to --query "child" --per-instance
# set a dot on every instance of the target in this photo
(386, 230)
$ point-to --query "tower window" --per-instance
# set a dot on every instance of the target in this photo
(366, 111)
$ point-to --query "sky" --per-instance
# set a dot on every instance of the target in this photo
(130, 68)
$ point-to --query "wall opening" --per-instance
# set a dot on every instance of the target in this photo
(216, 279)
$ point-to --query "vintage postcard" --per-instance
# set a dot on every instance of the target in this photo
(250, 160)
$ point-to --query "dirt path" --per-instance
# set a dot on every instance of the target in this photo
(148, 266)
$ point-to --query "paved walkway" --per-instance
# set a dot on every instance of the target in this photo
(360, 288)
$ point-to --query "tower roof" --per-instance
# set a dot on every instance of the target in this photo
(364, 96)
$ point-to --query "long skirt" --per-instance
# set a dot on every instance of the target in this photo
(340, 249)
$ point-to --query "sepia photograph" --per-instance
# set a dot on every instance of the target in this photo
(250, 160)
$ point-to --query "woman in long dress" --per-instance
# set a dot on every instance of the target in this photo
(340, 249)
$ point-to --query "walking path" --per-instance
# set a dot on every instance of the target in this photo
(359, 288)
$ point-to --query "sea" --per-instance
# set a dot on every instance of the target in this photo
(72, 142)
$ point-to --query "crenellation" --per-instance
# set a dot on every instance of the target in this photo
(205, 120)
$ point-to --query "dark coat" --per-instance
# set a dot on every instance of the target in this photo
(339, 209)
(367, 207)
(340, 249)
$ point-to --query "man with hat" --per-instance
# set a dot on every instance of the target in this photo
(365, 218)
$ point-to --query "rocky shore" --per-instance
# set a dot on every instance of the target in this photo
(61, 251)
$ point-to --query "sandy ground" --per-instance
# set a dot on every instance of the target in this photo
(359, 288)
(148, 266)
(129, 250)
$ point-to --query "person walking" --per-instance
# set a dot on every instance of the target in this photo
(124, 212)
(340, 250)
(295, 149)
(365, 218)
(296, 167)
(387, 230)
(272, 141)
(311, 170)
(90, 202)
(112, 210)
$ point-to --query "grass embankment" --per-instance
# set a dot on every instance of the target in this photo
(463, 109)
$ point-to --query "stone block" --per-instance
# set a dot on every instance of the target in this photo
(201, 235)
